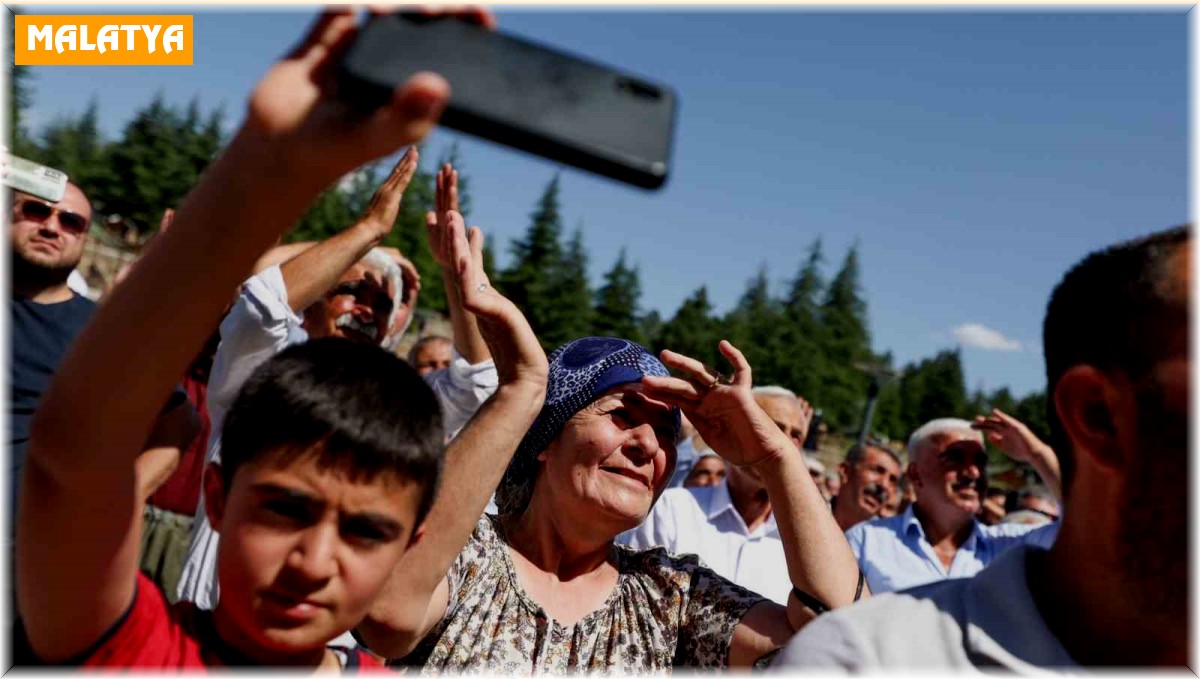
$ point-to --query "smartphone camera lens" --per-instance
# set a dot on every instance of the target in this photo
(639, 89)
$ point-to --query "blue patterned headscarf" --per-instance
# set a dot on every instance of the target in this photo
(580, 372)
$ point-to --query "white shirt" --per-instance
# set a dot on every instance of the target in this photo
(704, 522)
(260, 325)
(988, 622)
(78, 284)
(894, 553)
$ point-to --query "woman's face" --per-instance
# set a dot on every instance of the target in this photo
(613, 458)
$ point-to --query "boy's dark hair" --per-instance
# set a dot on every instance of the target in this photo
(366, 409)
(1112, 310)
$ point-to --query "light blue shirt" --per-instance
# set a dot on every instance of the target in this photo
(894, 553)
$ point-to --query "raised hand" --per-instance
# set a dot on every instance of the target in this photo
(1016, 440)
(1011, 436)
(514, 346)
(723, 411)
(445, 200)
(381, 212)
(408, 274)
(468, 340)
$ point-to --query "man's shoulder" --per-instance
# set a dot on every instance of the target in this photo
(877, 527)
(685, 499)
(867, 635)
(77, 307)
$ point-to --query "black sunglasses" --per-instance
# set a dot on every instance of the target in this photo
(71, 222)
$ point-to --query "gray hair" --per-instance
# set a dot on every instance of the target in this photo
(859, 451)
(1038, 492)
(388, 268)
(774, 391)
(943, 425)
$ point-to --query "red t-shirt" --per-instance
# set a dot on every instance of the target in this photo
(180, 493)
(153, 635)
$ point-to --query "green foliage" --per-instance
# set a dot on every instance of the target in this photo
(547, 281)
(74, 145)
(616, 312)
(753, 326)
(21, 100)
(692, 330)
(156, 162)
(813, 339)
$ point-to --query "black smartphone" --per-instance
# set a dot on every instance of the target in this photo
(521, 94)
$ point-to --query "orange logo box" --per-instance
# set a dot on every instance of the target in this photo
(103, 40)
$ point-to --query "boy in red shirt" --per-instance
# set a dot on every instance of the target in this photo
(332, 451)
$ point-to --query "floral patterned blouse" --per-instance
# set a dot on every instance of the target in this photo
(665, 610)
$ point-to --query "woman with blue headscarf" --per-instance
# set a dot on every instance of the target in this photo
(542, 587)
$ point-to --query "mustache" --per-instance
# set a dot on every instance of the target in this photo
(876, 491)
(963, 484)
(347, 320)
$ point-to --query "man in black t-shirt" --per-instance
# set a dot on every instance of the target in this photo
(45, 316)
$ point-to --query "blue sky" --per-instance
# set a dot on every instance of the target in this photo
(974, 156)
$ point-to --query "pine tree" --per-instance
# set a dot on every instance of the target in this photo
(753, 327)
(571, 316)
(158, 160)
(537, 259)
(1032, 411)
(75, 146)
(802, 335)
(693, 331)
(22, 98)
(847, 343)
(944, 393)
(617, 303)
(650, 328)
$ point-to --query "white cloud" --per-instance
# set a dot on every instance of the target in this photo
(982, 337)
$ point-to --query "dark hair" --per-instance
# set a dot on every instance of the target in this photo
(366, 409)
(424, 342)
(859, 451)
(1112, 310)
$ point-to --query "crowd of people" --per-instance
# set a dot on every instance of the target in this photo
(274, 486)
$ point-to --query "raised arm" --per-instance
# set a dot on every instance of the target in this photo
(79, 483)
(468, 342)
(1017, 441)
(819, 560)
(417, 595)
(313, 271)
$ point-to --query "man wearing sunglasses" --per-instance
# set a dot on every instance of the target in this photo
(45, 315)
(939, 536)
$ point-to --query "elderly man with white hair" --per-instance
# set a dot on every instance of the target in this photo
(347, 287)
(938, 537)
(730, 525)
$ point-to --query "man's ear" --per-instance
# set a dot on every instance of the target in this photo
(844, 473)
(911, 473)
(1088, 403)
(214, 495)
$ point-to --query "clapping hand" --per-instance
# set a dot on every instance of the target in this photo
(384, 207)
(445, 202)
(514, 346)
